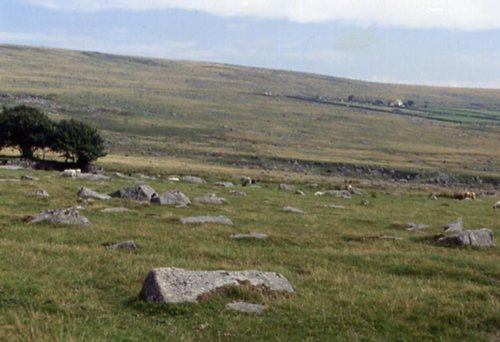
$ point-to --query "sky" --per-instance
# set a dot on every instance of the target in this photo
(431, 42)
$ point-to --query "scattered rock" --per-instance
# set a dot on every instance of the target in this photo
(129, 244)
(122, 176)
(410, 226)
(237, 193)
(336, 193)
(365, 202)
(287, 187)
(141, 193)
(252, 235)
(11, 167)
(246, 307)
(115, 210)
(64, 216)
(225, 184)
(454, 226)
(301, 193)
(245, 180)
(480, 237)
(211, 199)
(173, 197)
(92, 176)
(173, 179)
(85, 193)
(289, 209)
(353, 190)
(193, 180)
(206, 219)
(176, 285)
(29, 178)
(332, 206)
(41, 193)
(141, 176)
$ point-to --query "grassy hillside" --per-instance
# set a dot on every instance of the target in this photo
(229, 114)
(59, 283)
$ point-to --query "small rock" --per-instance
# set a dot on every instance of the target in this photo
(173, 197)
(433, 197)
(211, 199)
(332, 206)
(454, 226)
(177, 285)
(85, 193)
(237, 193)
(173, 179)
(252, 235)
(41, 193)
(246, 307)
(354, 191)
(193, 180)
(64, 216)
(206, 219)
(336, 193)
(480, 237)
(225, 184)
(410, 226)
(142, 176)
(301, 193)
(129, 244)
(115, 210)
(141, 193)
(365, 202)
(289, 209)
(29, 178)
(122, 176)
(287, 187)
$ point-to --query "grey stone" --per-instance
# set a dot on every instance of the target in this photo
(252, 235)
(246, 307)
(206, 219)
(142, 176)
(454, 226)
(354, 191)
(41, 193)
(289, 209)
(69, 216)
(479, 237)
(129, 244)
(176, 285)
(286, 187)
(29, 178)
(173, 178)
(92, 176)
(193, 180)
(211, 199)
(173, 197)
(410, 226)
(332, 206)
(86, 193)
(336, 193)
(225, 184)
(299, 192)
(115, 210)
(122, 176)
(237, 193)
(141, 193)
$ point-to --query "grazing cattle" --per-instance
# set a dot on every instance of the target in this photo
(245, 180)
(465, 195)
(71, 173)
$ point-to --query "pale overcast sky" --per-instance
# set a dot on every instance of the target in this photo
(439, 42)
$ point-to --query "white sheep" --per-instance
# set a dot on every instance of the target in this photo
(71, 173)
(496, 205)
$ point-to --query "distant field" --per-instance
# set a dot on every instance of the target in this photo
(226, 114)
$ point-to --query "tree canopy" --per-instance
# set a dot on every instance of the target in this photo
(28, 129)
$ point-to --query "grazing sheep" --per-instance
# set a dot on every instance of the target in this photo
(71, 173)
(245, 180)
(496, 205)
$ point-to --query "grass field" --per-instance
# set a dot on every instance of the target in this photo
(59, 283)
(160, 117)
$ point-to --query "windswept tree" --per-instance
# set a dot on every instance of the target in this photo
(78, 142)
(25, 128)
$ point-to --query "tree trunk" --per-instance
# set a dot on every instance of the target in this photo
(26, 152)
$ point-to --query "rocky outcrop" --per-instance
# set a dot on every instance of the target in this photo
(177, 285)
(85, 193)
(479, 237)
(69, 216)
(454, 226)
(173, 197)
(140, 193)
(206, 219)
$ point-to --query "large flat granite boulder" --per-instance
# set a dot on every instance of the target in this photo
(479, 237)
(173, 197)
(140, 193)
(69, 216)
(85, 192)
(177, 285)
(206, 219)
